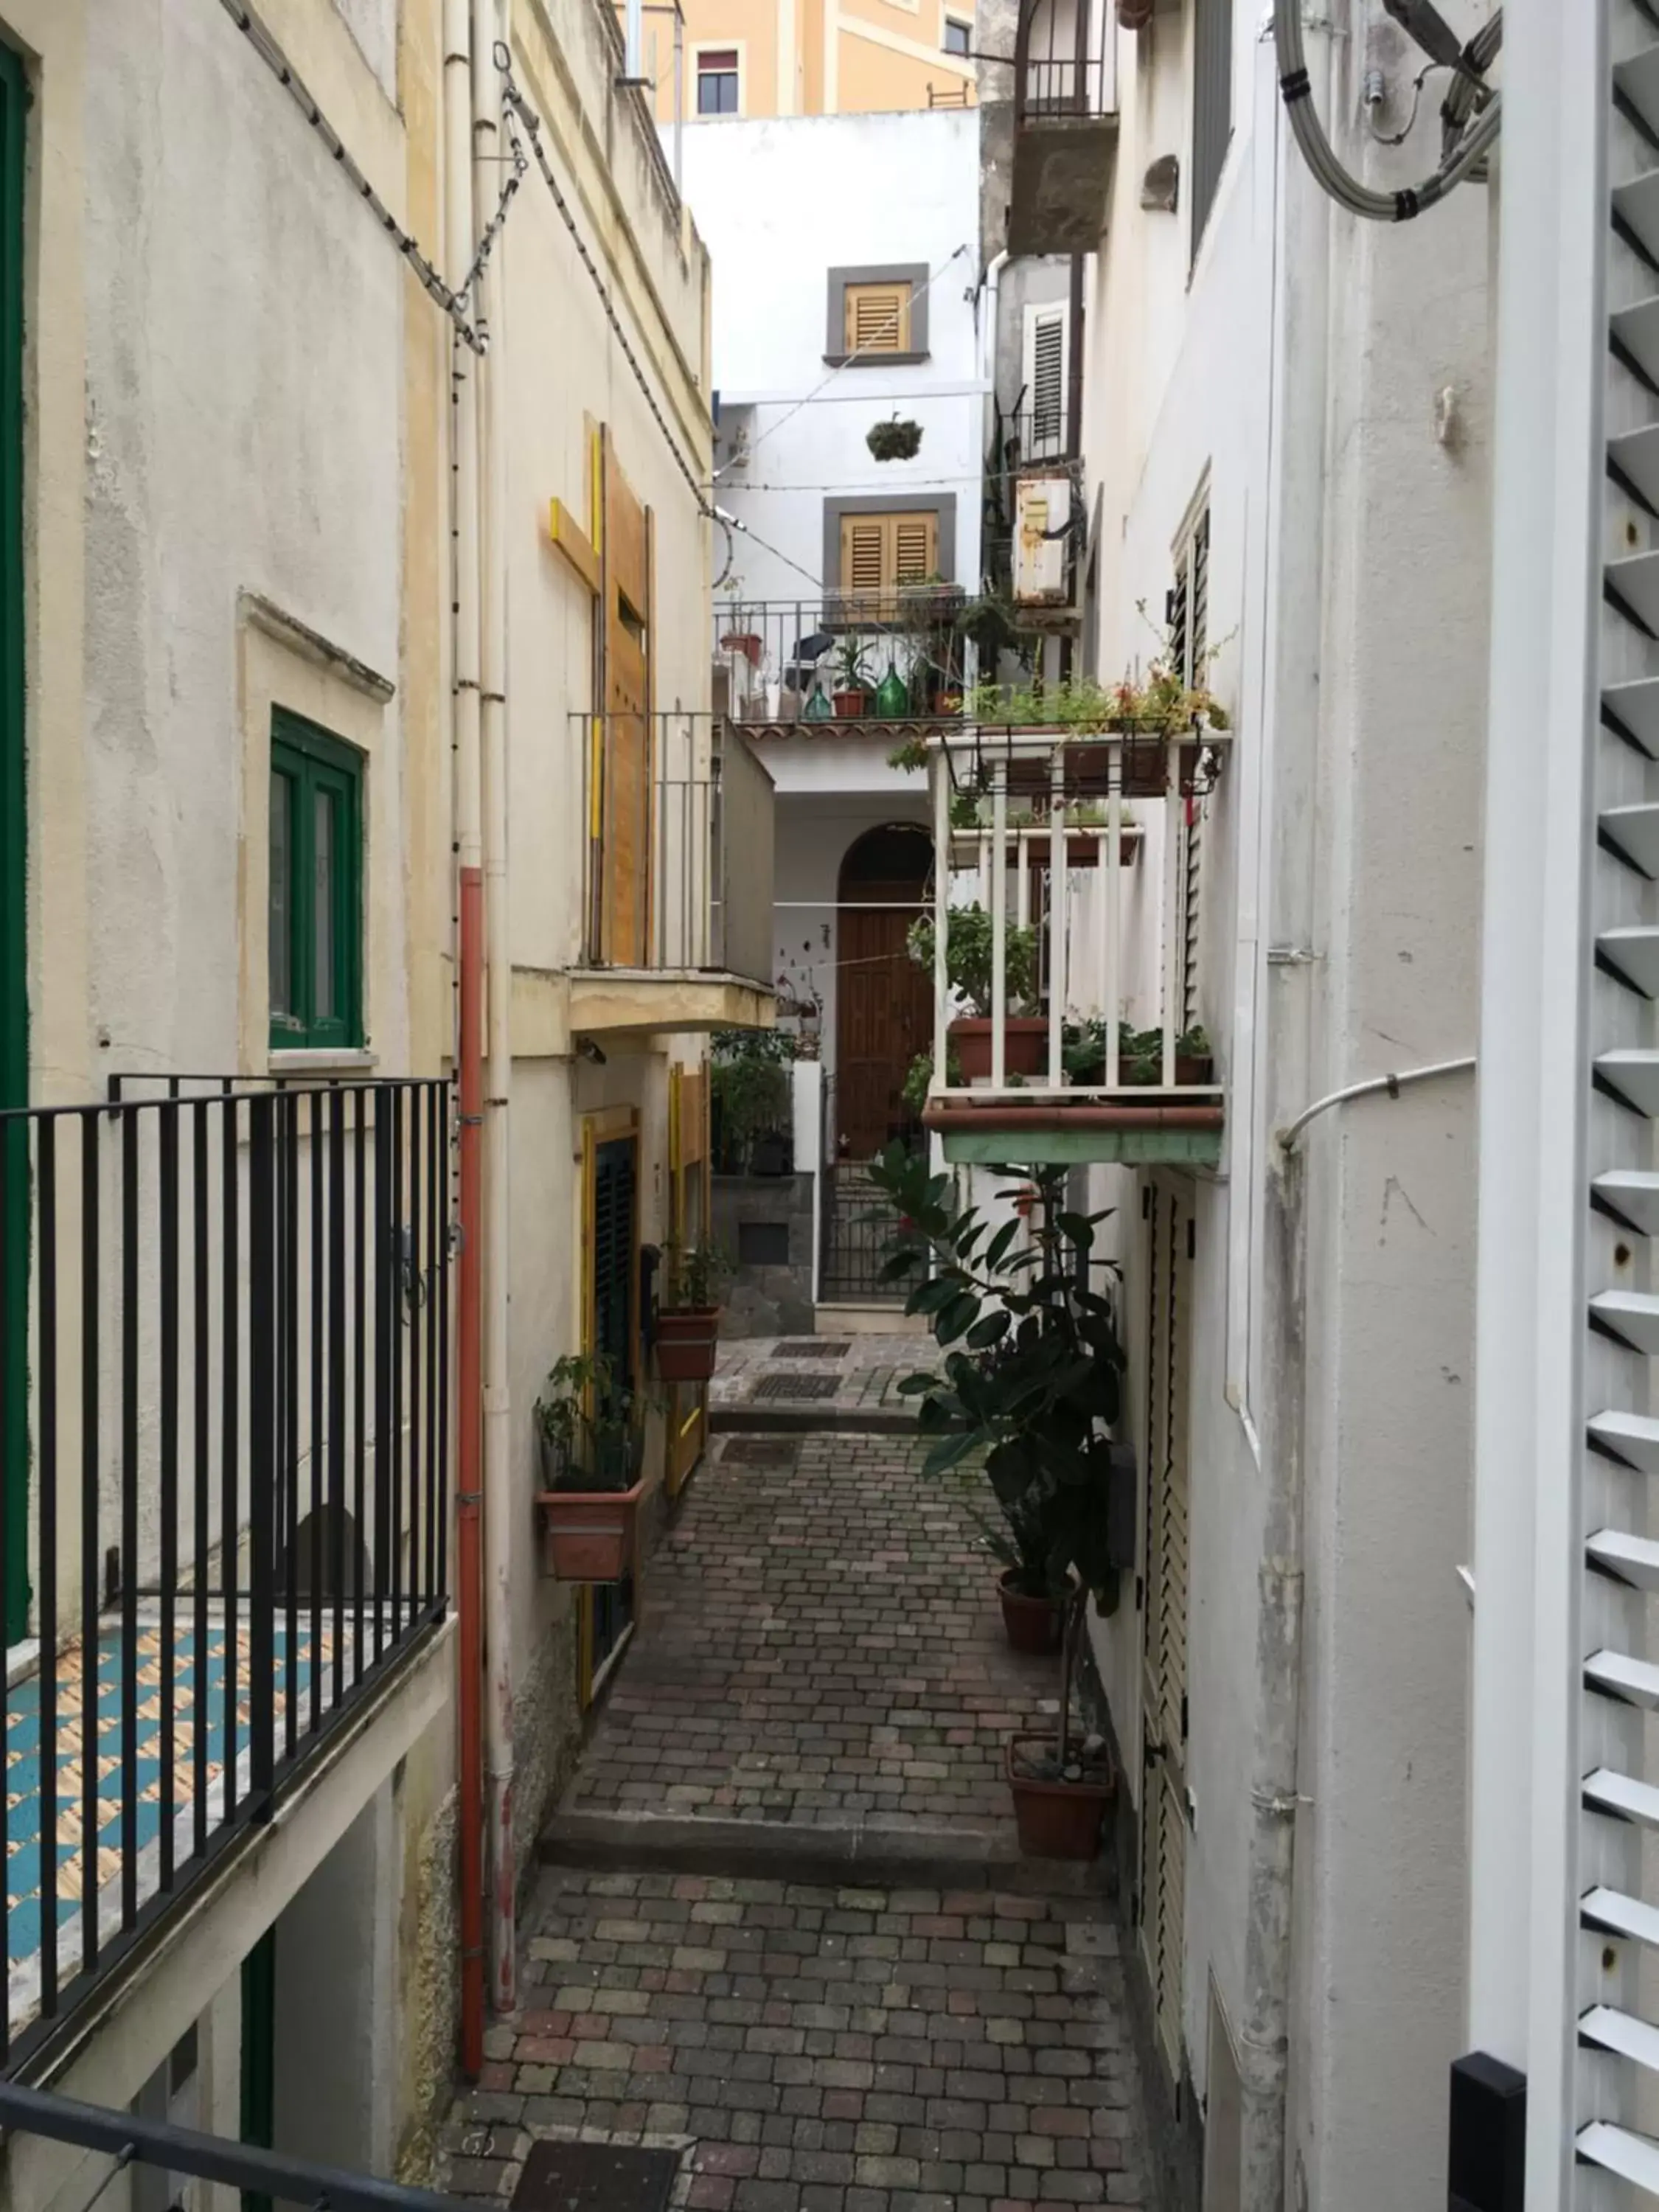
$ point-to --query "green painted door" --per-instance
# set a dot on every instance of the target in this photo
(14, 857)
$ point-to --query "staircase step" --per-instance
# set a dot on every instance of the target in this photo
(1631, 1559)
(1620, 2151)
(1631, 1316)
(1611, 1913)
(1636, 703)
(1632, 1437)
(966, 1854)
(1633, 955)
(1637, 202)
(1638, 80)
(1621, 1796)
(1633, 1195)
(1636, 330)
(1635, 831)
(1616, 1674)
(1609, 2029)
(1636, 455)
(1634, 1074)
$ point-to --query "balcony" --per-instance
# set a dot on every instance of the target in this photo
(1064, 1019)
(676, 879)
(224, 1415)
(1065, 128)
(884, 664)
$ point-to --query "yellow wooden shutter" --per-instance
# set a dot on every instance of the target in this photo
(877, 318)
(915, 548)
(866, 540)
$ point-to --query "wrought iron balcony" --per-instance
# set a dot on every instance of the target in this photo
(224, 1414)
(850, 658)
(678, 861)
(1064, 945)
(1066, 101)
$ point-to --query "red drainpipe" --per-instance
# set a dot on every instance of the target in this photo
(469, 1595)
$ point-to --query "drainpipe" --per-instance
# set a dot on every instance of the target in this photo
(463, 523)
(490, 23)
(1301, 372)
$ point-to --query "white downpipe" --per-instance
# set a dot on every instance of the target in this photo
(941, 924)
(1056, 915)
(459, 238)
(998, 894)
(492, 22)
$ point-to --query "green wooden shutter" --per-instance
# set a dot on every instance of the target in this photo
(315, 908)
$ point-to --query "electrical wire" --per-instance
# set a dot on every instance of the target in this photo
(735, 522)
(453, 303)
(858, 353)
(1409, 201)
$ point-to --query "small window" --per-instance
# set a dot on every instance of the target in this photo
(315, 913)
(877, 318)
(717, 82)
(881, 552)
(1045, 377)
(958, 37)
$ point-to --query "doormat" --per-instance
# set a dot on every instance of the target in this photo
(759, 1451)
(796, 1386)
(595, 2177)
(812, 1347)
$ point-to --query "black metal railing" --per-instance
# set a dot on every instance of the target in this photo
(857, 1227)
(1033, 435)
(1063, 69)
(230, 1479)
(890, 656)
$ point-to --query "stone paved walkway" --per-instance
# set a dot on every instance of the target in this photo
(819, 1670)
(824, 1647)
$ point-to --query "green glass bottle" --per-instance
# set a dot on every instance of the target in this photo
(892, 695)
(818, 707)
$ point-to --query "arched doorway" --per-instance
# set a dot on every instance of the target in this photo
(884, 1000)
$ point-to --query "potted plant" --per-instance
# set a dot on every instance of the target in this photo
(1032, 1378)
(893, 441)
(689, 1312)
(1194, 1060)
(1032, 1616)
(969, 948)
(591, 1439)
(745, 641)
(749, 1091)
(851, 698)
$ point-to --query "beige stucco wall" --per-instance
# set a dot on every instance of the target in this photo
(815, 57)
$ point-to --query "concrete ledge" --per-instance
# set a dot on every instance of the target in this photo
(621, 1000)
(811, 1418)
(959, 1857)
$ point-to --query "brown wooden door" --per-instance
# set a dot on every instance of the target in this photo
(626, 833)
(884, 1000)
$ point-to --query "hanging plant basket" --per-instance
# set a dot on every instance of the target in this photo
(893, 441)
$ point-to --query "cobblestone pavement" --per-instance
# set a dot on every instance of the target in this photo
(823, 1646)
(865, 1372)
(819, 1646)
(818, 2050)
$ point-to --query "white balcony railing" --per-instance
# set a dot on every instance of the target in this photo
(1083, 849)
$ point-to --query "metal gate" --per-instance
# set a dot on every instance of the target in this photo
(857, 1226)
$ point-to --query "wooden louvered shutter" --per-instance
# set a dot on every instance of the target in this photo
(864, 542)
(1045, 378)
(613, 1255)
(877, 318)
(915, 548)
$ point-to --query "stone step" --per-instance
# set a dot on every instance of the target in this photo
(810, 1417)
(970, 1854)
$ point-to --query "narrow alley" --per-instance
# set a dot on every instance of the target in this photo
(782, 1927)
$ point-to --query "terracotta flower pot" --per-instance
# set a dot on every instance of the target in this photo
(1195, 1067)
(687, 1339)
(1032, 1624)
(1056, 1819)
(587, 1535)
(1025, 1045)
(849, 705)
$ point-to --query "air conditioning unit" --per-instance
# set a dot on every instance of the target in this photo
(1042, 563)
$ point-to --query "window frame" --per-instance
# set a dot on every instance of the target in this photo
(940, 507)
(313, 761)
(836, 353)
(949, 23)
(718, 52)
(1058, 444)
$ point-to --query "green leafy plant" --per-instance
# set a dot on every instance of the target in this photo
(894, 440)
(695, 1275)
(1031, 1376)
(969, 947)
(919, 1079)
(749, 1087)
(852, 666)
(912, 754)
(590, 1423)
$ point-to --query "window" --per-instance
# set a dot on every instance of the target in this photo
(1045, 367)
(879, 552)
(877, 318)
(958, 37)
(717, 81)
(1189, 613)
(316, 880)
(1212, 105)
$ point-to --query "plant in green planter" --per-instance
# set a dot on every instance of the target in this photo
(968, 964)
(1032, 1378)
(688, 1313)
(591, 1435)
